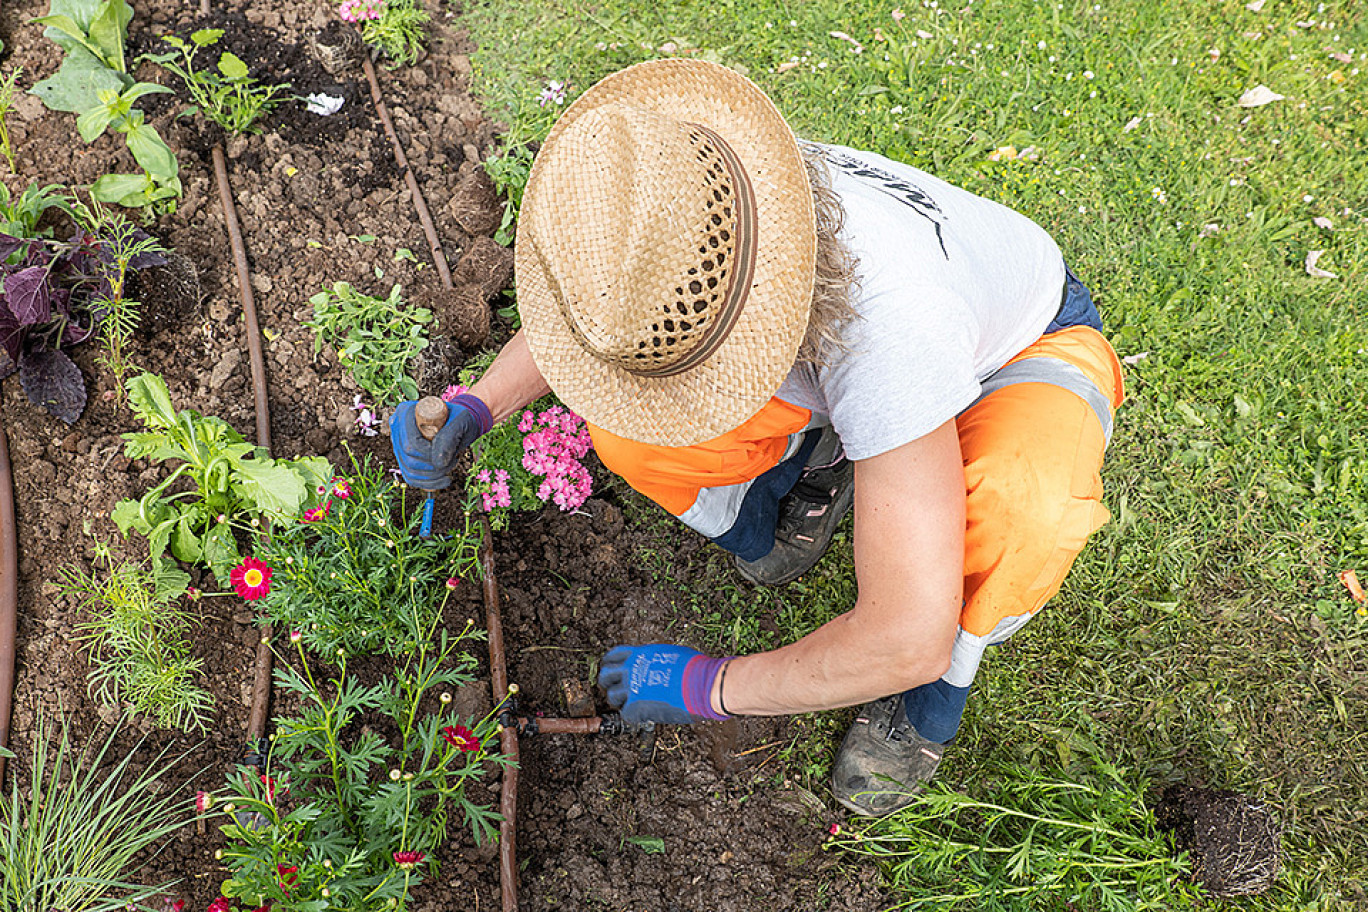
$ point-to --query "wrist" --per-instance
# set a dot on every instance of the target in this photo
(699, 685)
(476, 406)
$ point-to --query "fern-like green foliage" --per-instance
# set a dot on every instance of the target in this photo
(139, 651)
(1030, 842)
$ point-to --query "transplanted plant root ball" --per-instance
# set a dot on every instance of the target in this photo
(1233, 840)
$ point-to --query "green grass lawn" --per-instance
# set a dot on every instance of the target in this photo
(1204, 636)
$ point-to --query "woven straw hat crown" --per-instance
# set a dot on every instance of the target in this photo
(665, 253)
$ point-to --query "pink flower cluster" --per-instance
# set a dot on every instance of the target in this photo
(452, 392)
(556, 441)
(358, 10)
(496, 493)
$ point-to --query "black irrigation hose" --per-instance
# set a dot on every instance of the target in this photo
(9, 589)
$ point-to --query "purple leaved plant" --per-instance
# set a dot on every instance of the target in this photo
(53, 295)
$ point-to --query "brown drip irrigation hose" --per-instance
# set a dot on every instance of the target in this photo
(9, 589)
(261, 681)
(424, 217)
(508, 734)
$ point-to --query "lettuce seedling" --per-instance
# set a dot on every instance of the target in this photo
(235, 483)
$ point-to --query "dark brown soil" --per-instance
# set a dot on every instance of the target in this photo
(320, 201)
(1232, 840)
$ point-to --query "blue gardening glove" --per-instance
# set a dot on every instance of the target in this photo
(660, 683)
(427, 464)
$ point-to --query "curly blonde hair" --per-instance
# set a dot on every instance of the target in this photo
(837, 281)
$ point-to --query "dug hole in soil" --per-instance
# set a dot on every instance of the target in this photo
(309, 191)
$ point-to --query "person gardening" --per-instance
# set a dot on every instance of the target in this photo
(763, 333)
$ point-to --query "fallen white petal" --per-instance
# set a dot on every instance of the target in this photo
(1135, 358)
(1321, 221)
(1315, 271)
(324, 105)
(1132, 124)
(1259, 96)
(1342, 57)
(786, 66)
(1254, 6)
(923, 34)
(1209, 230)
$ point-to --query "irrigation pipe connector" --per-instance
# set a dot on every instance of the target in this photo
(9, 590)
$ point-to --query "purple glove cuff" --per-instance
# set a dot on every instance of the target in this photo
(481, 411)
(697, 685)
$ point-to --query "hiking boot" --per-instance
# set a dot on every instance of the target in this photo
(883, 763)
(808, 517)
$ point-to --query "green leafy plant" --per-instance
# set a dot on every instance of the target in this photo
(354, 577)
(93, 83)
(1035, 843)
(92, 32)
(399, 30)
(124, 244)
(345, 817)
(234, 484)
(19, 216)
(160, 178)
(73, 840)
(228, 95)
(7, 86)
(509, 171)
(56, 295)
(376, 338)
(139, 653)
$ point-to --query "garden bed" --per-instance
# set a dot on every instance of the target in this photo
(695, 820)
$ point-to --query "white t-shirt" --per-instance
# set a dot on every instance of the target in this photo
(952, 286)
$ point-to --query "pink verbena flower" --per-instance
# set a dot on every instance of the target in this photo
(453, 391)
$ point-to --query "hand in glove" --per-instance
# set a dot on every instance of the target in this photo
(427, 464)
(661, 683)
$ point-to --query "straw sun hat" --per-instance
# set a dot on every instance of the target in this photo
(665, 254)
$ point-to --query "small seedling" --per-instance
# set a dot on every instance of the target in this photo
(376, 337)
(396, 27)
(7, 86)
(228, 95)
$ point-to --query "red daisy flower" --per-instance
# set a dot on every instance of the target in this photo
(317, 513)
(460, 737)
(251, 579)
(407, 860)
(341, 489)
(288, 875)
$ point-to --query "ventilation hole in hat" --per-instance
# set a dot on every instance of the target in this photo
(685, 326)
(717, 195)
(726, 211)
(715, 218)
(707, 265)
(696, 287)
(722, 257)
(712, 241)
(712, 281)
(699, 306)
(680, 305)
(670, 326)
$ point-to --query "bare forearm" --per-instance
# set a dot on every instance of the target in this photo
(512, 381)
(842, 663)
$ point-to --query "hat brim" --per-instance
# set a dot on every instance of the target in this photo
(736, 381)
